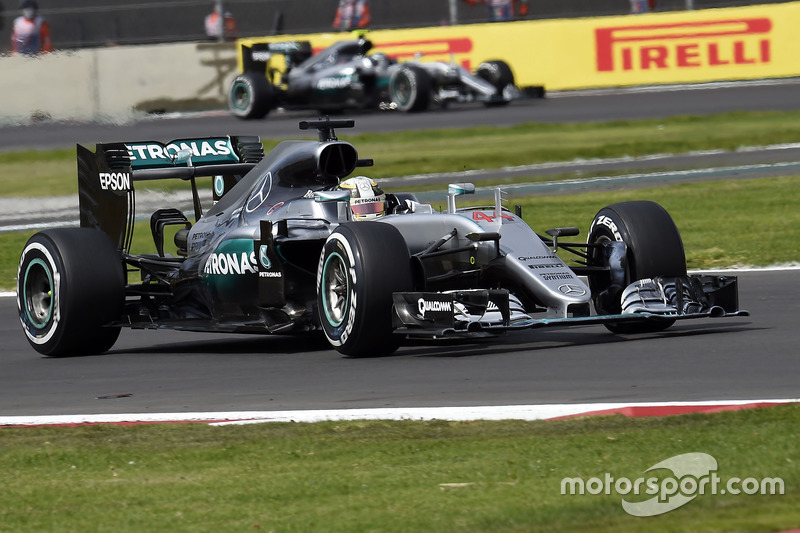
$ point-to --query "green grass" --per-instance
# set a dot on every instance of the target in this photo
(451, 150)
(388, 476)
(38, 173)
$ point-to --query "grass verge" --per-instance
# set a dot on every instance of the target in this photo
(390, 476)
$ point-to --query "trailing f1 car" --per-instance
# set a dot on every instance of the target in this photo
(345, 77)
(293, 244)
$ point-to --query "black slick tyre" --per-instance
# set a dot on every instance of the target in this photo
(361, 265)
(654, 248)
(410, 88)
(499, 74)
(70, 286)
(250, 96)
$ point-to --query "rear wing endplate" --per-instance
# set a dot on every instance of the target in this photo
(255, 58)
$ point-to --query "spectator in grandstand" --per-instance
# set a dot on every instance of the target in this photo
(642, 6)
(31, 33)
(221, 27)
(352, 14)
(503, 10)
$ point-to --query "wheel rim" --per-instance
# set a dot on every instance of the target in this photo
(402, 90)
(240, 96)
(335, 292)
(38, 293)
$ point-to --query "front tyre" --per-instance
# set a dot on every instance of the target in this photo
(654, 248)
(361, 265)
(499, 74)
(70, 285)
(250, 96)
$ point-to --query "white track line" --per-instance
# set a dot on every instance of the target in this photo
(503, 412)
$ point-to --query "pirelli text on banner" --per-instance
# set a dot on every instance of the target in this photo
(685, 45)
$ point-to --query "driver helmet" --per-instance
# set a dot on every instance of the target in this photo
(29, 9)
(367, 200)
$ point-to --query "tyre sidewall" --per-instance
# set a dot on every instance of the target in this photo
(258, 96)
(339, 245)
(47, 333)
(88, 291)
(498, 73)
(373, 274)
(404, 75)
(419, 88)
(654, 244)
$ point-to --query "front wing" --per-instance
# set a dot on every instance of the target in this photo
(442, 315)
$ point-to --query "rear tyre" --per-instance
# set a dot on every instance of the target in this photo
(70, 285)
(654, 248)
(250, 96)
(410, 88)
(361, 265)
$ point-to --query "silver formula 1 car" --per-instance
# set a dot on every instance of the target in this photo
(345, 76)
(289, 247)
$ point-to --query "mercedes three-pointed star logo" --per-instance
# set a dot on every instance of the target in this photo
(571, 290)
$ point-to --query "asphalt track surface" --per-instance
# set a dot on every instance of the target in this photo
(165, 371)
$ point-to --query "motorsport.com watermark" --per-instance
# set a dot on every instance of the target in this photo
(693, 474)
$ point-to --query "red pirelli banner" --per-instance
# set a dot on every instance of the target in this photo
(658, 48)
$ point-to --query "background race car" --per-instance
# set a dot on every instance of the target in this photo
(345, 76)
(289, 247)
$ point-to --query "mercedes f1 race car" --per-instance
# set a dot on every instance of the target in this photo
(345, 77)
(294, 244)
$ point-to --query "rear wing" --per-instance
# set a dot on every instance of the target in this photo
(256, 58)
(106, 176)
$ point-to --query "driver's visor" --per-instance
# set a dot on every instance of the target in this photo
(370, 208)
